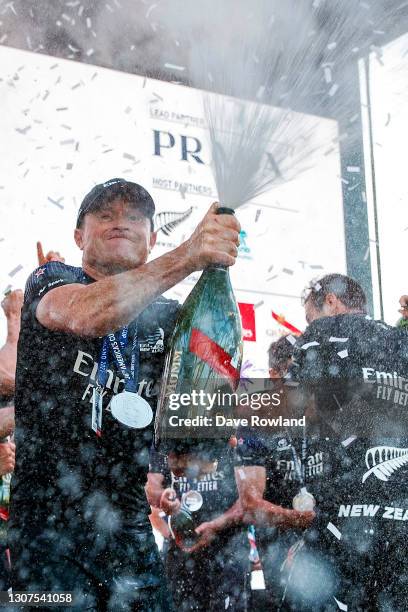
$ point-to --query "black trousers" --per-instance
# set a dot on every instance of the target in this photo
(213, 579)
(121, 573)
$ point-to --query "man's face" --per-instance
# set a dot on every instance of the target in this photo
(311, 312)
(190, 465)
(332, 306)
(117, 237)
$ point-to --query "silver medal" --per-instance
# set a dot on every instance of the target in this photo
(131, 410)
(192, 500)
(304, 501)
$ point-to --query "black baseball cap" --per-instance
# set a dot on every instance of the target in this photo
(117, 187)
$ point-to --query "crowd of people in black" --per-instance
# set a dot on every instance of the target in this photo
(327, 502)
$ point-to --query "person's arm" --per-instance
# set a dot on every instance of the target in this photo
(7, 373)
(209, 530)
(158, 523)
(50, 256)
(7, 425)
(111, 303)
(11, 305)
(158, 496)
(251, 481)
(7, 457)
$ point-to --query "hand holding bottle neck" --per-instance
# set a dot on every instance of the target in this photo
(213, 243)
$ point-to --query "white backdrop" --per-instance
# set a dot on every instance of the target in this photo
(389, 101)
(66, 126)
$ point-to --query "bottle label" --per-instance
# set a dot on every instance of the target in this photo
(174, 372)
(214, 356)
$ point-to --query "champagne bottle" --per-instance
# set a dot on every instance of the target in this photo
(183, 527)
(205, 357)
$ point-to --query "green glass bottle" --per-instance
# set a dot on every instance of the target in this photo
(205, 357)
(183, 527)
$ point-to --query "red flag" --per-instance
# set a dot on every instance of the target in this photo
(247, 312)
(282, 321)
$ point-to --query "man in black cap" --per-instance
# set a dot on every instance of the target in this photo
(90, 359)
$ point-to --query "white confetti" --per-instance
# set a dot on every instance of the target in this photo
(335, 339)
(333, 89)
(353, 169)
(309, 344)
(291, 339)
(23, 130)
(153, 6)
(129, 156)
(348, 441)
(342, 606)
(15, 270)
(333, 529)
(327, 75)
(343, 354)
(174, 67)
(56, 202)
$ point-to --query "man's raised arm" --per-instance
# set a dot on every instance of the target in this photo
(113, 302)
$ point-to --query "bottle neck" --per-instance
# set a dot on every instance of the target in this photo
(217, 268)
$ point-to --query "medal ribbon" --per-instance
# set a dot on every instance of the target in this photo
(117, 347)
(131, 378)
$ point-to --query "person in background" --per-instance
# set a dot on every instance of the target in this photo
(353, 369)
(210, 572)
(268, 482)
(11, 305)
(403, 321)
(280, 355)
